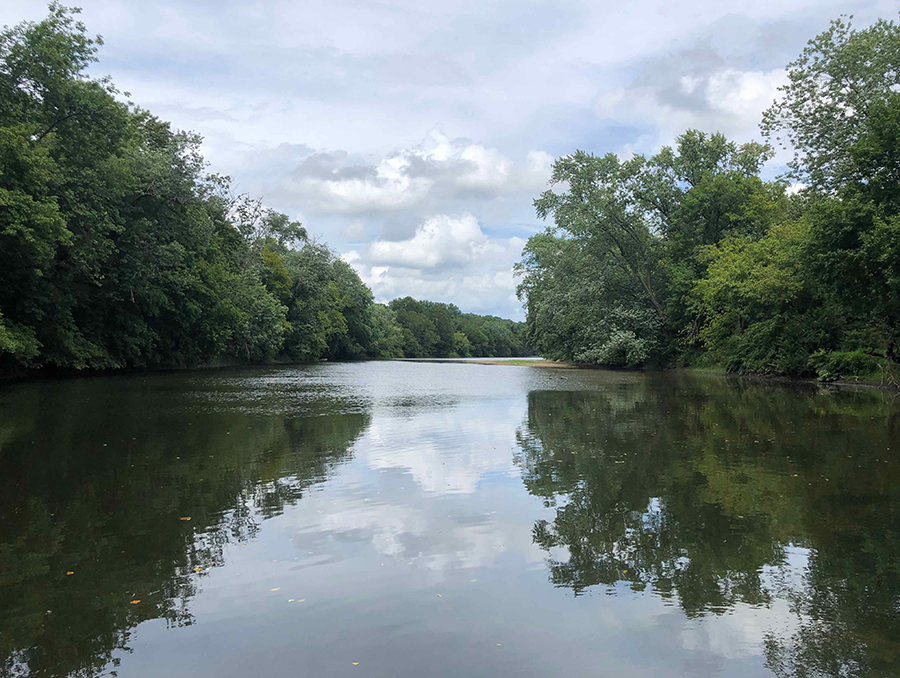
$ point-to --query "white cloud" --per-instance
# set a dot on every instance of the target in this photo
(443, 241)
(449, 259)
(744, 94)
(439, 168)
(355, 230)
(724, 100)
(387, 188)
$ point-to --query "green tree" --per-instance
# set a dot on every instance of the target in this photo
(763, 314)
(841, 112)
(462, 348)
(597, 208)
(826, 107)
(387, 335)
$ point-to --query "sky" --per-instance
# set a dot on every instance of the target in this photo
(413, 136)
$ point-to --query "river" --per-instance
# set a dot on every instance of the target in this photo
(425, 519)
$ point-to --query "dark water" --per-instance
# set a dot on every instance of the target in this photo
(430, 519)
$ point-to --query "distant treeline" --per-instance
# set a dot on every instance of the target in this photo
(118, 248)
(427, 329)
(688, 257)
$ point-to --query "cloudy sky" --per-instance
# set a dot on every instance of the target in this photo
(413, 136)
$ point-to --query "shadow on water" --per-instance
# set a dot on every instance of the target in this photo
(698, 489)
(128, 491)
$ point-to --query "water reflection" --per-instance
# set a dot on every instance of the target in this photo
(418, 511)
(139, 507)
(698, 490)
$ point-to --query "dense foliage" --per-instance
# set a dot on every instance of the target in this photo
(431, 329)
(118, 248)
(689, 257)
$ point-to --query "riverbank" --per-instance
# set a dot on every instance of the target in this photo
(524, 363)
(516, 362)
(858, 382)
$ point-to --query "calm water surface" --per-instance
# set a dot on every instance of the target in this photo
(421, 519)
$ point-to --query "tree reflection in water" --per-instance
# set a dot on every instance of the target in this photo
(696, 491)
(129, 466)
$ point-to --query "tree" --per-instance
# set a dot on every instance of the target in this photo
(841, 111)
(387, 335)
(462, 348)
(611, 282)
(597, 209)
(826, 106)
(763, 313)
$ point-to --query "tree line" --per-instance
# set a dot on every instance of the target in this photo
(118, 248)
(425, 329)
(690, 257)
